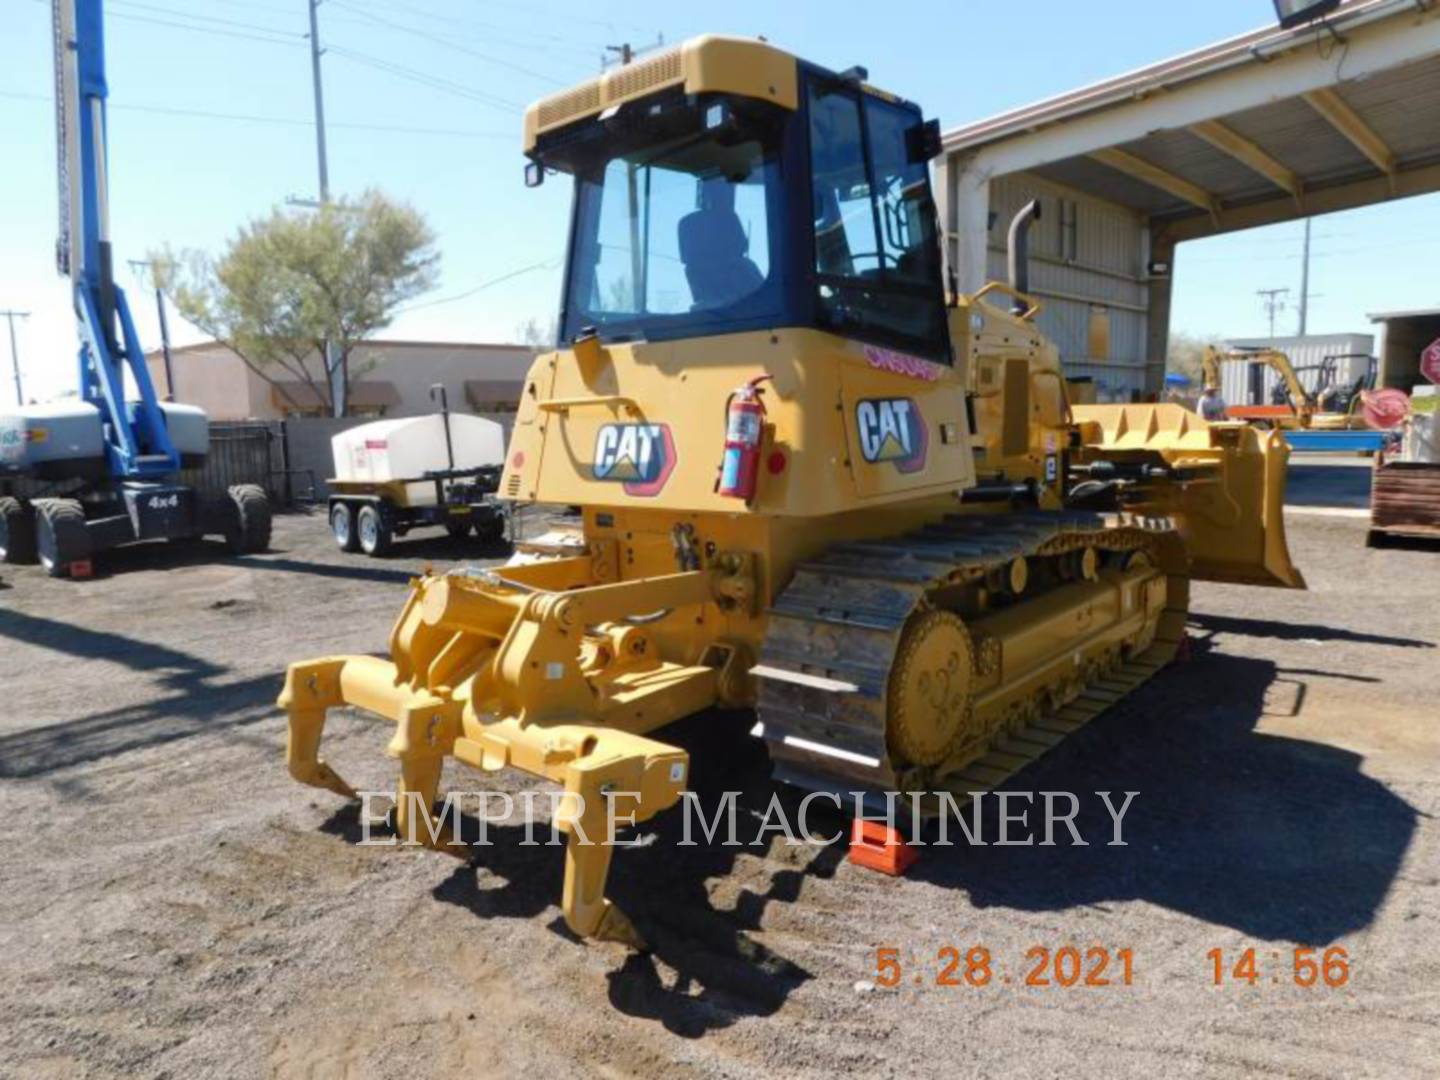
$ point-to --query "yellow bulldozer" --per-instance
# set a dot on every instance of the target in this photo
(812, 481)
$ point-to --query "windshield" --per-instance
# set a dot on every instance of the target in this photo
(876, 255)
(677, 236)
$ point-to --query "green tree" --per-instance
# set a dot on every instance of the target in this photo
(288, 284)
(1184, 357)
(539, 336)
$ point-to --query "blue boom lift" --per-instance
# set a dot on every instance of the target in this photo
(106, 466)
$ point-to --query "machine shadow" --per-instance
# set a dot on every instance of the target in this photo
(1289, 631)
(195, 701)
(216, 709)
(1278, 838)
(719, 973)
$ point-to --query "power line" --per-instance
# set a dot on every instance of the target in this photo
(257, 7)
(205, 114)
(548, 264)
(177, 12)
(489, 31)
(206, 29)
(532, 11)
(449, 44)
(432, 81)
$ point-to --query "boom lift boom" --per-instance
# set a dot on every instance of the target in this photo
(110, 461)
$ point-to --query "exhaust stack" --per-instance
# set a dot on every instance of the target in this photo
(1019, 251)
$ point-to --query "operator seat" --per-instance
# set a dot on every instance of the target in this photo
(713, 247)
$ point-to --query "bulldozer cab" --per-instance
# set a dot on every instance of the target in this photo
(699, 214)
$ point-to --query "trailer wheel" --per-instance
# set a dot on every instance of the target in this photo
(249, 530)
(17, 532)
(457, 529)
(342, 525)
(376, 533)
(491, 531)
(60, 535)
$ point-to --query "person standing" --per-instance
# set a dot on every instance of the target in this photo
(1212, 405)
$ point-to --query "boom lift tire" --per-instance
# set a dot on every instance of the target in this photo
(342, 526)
(60, 535)
(17, 532)
(249, 531)
(376, 533)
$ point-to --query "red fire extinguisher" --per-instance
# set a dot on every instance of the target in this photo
(744, 425)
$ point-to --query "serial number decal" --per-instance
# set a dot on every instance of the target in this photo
(892, 429)
(1041, 966)
(639, 456)
(898, 363)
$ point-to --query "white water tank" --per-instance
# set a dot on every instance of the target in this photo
(408, 447)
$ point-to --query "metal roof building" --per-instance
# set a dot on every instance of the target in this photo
(1403, 335)
(1266, 127)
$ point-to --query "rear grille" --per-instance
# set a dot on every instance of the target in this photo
(619, 85)
(638, 78)
(572, 103)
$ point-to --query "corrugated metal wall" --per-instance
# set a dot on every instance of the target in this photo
(1303, 352)
(1087, 265)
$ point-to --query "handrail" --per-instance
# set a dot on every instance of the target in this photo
(609, 401)
(1015, 294)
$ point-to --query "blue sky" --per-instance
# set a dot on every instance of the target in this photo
(424, 99)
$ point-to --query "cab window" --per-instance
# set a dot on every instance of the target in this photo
(877, 275)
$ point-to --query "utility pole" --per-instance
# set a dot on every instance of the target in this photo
(334, 367)
(315, 51)
(11, 316)
(626, 53)
(1274, 301)
(139, 266)
(1304, 280)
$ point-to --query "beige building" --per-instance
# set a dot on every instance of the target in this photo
(389, 378)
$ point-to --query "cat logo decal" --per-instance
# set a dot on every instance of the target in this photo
(892, 429)
(639, 456)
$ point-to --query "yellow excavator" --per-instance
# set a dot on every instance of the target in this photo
(812, 480)
(1293, 406)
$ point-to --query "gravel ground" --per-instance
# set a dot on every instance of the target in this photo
(176, 906)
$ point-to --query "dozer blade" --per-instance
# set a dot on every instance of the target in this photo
(1224, 486)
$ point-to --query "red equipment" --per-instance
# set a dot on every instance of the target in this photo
(744, 429)
(1385, 409)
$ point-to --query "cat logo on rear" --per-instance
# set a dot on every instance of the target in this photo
(892, 429)
(639, 456)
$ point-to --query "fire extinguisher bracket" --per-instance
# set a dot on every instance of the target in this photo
(744, 436)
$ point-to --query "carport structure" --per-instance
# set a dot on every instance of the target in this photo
(1271, 126)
